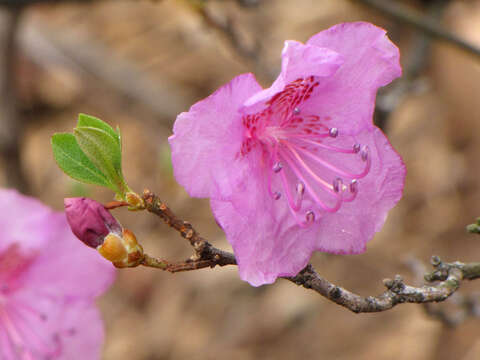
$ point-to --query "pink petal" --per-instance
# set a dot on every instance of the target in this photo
(266, 240)
(263, 249)
(348, 230)
(67, 266)
(371, 61)
(298, 61)
(84, 331)
(51, 327)
(30, 233)
(206, 141)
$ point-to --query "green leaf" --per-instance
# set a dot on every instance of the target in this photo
(104, 151)
(71, 159)
(91, 121)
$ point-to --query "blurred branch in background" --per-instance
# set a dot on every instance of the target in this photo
(86, 57)
(225, 26)
(405, 15)
(417, 58)
(11, 126)
(20, 3)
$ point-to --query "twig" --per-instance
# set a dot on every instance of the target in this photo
(405, 15)
(448, 275)
(226, 28)
(390, 97)
(204, 251)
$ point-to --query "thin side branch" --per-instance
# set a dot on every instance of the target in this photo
(405, 15)
(447, 275)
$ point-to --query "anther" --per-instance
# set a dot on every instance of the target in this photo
(333, 132)
(364, 153)
(337, 185)
(296, 111)
(354, 186)
(276, 195)
(300, 188)
(310, 216)
(277, 167)
(356, 148)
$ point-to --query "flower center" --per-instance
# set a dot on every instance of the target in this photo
(312, 165)
(25, 329)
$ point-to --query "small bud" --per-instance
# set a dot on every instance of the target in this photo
(122, 251)
(135, 201)
(97, 228)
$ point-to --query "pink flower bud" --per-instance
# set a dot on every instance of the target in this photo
(97, 228)
(90, 221)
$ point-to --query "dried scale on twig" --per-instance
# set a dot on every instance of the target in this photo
(445, 277)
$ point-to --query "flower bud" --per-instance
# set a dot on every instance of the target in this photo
(97, 228)
(90, 221)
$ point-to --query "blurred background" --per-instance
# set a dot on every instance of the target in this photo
(138, 63)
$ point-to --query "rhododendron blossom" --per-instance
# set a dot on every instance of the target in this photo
(298, 167)
(48, 284)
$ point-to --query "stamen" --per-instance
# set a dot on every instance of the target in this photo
(325, 146)
(309, 189)
(306, 167)
(310, 216)
(356, 148)
(353, 190)
(294, 206)
(354, 186)
(364, 153)
(296, 111)
(300, 189)
(277, 167)
(334, 168)
(277, 195)
(338, 185)
(309, 136)
(333, 132)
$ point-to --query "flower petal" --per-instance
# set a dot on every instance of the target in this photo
(298, 61)
(51, 327)
(265, 237)
(69, 267)
(348, 230)
(302, 60)
(84, 332)
(30, 232)
(207, 139)
(265, 249)
(371, 61)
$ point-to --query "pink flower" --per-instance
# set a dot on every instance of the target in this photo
(298, 167)
(48, 284)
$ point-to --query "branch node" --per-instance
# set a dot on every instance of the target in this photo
(435, 261)
(388, 283)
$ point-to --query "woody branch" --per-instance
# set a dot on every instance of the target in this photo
(445, 279)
